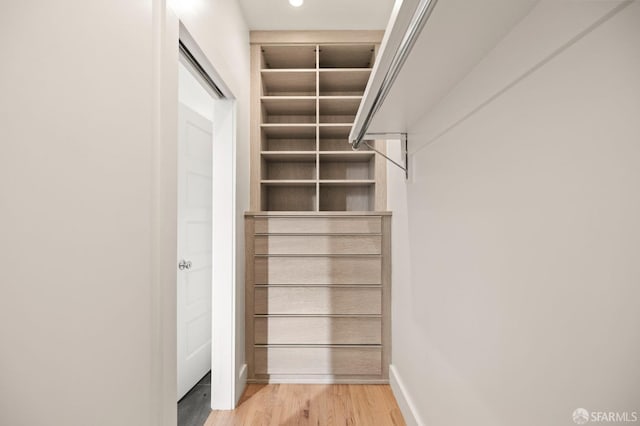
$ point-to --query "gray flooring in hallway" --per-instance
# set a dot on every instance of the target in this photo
(195, 406)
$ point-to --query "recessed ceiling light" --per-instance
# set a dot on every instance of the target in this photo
(296, 3)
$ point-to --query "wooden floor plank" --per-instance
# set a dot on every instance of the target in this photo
(316, 405)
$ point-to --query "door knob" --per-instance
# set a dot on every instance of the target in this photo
(184, 264)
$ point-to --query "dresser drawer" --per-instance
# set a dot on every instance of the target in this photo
(318, 244)
(317, 301)
(317, 331)
(318, 225)
(332, 360)
(318, 270)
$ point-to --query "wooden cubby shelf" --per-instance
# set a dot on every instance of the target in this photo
(347, 55)
(289, 109)
(289, 82)
(346, 155)
(347, 182)
(306, 97)
(289, 155)
(289, 182)
(343, 81)
(289, 129)
(288, 57)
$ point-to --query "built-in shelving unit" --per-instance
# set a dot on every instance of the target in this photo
(306, 97)
(317, 248)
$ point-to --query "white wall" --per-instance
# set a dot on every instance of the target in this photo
(87, 185)
(516, 241)
(75, 229)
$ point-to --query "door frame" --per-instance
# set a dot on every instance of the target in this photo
(163, 346)
(223, 384)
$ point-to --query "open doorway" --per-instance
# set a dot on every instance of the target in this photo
(206, 261)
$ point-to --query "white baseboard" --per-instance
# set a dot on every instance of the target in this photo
(317, 380)
(242, 376)
(405, 402)
(241, 384)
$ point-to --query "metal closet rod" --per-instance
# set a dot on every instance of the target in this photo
(419, 19)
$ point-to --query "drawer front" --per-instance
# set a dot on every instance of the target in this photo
(317, 301)
(318, 244)
(351, 361)
(318, 270)
(317, 331)
(319, 225)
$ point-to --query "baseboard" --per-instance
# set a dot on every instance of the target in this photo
(405, 402)
(242, 376)
(306, 380)
(241, 384)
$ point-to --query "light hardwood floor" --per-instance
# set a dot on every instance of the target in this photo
(320, 405)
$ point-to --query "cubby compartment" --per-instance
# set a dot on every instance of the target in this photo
(347, 56)
(289, 144)
(288, 137)
(288, 197)
(343, 82)
(335, 145)
(347, 166)
(334, 131)
(335, 137)
(288, 110)
(287, 156)
(341, 109)
(288, 83)
(347, 197)
(341, 144)
(289, 57)
(276, 168)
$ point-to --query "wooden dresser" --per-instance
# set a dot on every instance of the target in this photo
(318, 297)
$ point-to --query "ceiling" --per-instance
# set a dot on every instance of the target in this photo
(317, 14)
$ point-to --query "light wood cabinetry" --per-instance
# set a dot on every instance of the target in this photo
(318, 297)
(288, 361)
(317, 238)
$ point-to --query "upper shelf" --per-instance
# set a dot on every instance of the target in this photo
(289, 57)
(314, 56)
(347, 56)
(455, 38)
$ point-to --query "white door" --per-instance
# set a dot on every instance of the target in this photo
(194, 248)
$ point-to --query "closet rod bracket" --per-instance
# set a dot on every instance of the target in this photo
(391, 136)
